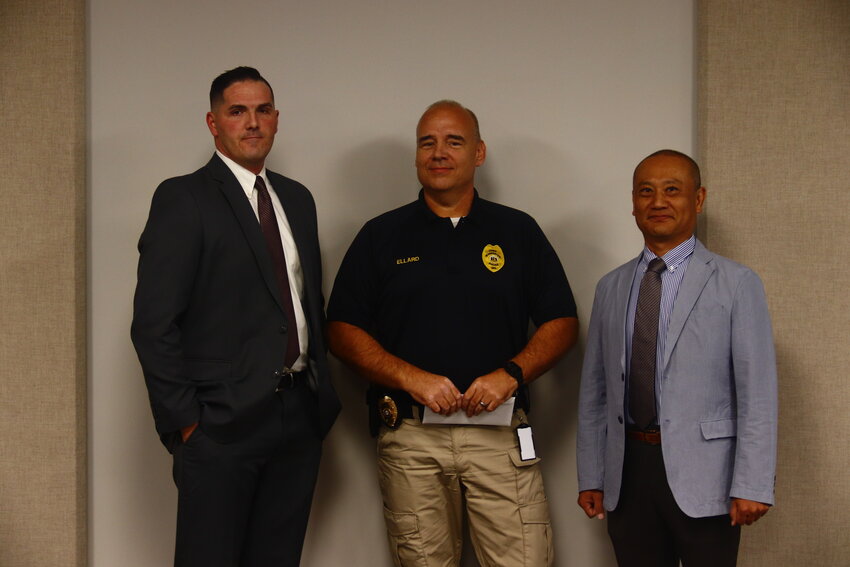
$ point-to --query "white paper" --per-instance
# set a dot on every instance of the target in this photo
(500, 416)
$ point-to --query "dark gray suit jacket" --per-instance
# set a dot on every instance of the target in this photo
(208, 324)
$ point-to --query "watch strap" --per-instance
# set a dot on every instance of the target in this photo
(514, 370)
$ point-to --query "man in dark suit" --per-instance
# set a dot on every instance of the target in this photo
(677, 414)
(228, 326)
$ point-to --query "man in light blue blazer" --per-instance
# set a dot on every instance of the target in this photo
(682, 461)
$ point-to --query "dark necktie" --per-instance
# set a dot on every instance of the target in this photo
(271, 232)
(644, 340)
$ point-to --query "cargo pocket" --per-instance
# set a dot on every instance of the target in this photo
(538, 546)
(537, 534)
(404, 539)
(529, 481)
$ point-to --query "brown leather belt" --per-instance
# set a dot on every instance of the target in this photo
(648, 437)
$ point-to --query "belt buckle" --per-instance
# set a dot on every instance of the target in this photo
(283, 375)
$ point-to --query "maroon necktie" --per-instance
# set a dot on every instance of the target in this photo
(271, 232)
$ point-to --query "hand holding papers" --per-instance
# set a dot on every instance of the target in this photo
(501, 416)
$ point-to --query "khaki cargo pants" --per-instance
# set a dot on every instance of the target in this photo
(428, 472)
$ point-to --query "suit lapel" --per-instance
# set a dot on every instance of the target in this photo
(623, 292)
(700, 269)
(247, 220)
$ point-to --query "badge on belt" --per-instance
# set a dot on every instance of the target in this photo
(388, 410)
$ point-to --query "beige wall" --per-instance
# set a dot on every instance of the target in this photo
(774, 136)
(42, 284)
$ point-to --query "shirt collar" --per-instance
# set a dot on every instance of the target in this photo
(430, 216)
(672, 259)
(245, 178)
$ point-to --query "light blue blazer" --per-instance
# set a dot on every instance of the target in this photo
(718, 401)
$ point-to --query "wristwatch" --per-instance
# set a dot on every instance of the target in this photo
(515, 371)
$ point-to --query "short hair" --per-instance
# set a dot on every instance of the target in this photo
(455, 104)
(235, 75)
(692, 165)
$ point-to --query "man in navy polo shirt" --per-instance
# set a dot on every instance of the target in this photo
(432, 305)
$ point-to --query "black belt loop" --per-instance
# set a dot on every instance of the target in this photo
(411, 411)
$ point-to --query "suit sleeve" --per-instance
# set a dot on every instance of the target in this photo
(317, 255)
(592, 404)
(169, 251)
(754, 368)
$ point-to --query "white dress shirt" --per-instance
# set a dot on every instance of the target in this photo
(293, 262)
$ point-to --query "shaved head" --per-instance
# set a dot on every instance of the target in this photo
(692, 165)
(447, 103)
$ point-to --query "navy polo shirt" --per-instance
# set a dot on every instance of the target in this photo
(454, 301)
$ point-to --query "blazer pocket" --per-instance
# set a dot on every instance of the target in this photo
(206, 370)
(719, 428)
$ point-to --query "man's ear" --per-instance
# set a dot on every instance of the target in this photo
(700, 199)
(211, 124)
(480, 153)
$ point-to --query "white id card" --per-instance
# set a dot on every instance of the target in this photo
(526, 443)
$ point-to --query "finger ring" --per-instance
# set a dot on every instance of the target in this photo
(482, 404)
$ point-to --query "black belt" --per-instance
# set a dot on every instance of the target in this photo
(407, 411)
(650, 437)
(290, 379)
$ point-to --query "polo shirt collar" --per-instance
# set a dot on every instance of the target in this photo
(430, 216)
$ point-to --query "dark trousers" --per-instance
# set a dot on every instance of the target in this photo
(649, 530)
(246, 504)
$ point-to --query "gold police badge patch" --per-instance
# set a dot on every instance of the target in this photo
(493, 257)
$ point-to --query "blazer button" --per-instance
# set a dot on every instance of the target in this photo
(283, 328)
(277, 373)
(620, 418)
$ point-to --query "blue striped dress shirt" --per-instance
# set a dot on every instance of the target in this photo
(677, 261)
